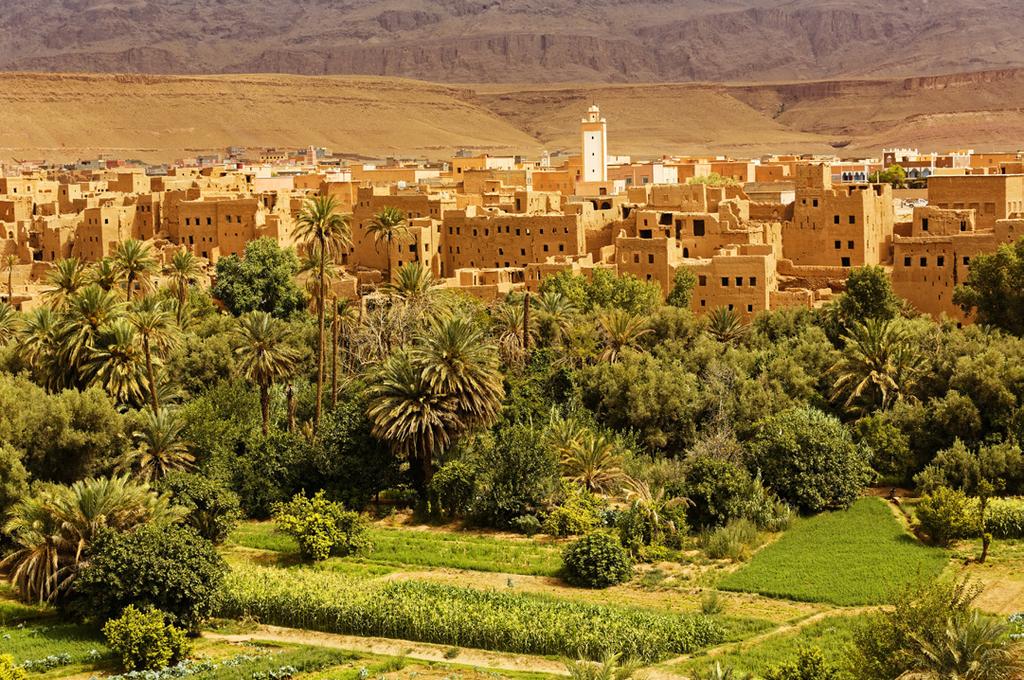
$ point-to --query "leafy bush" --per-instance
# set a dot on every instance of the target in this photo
(169, 568)
(518, 475)
(946, 515)
(578, 513)
(766, 510)
(597, 560)
(526, 524)
(453, 487)
(717, 490)
(8, 671)
(732, 542)
(809, 664)
(144, 640)
(322, 528)
(213, 509)
(809, 459)
(448, 615)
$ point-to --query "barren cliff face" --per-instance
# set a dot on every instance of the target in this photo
(516, 40)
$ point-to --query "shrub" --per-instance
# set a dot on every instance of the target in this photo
(213, 509)
(518, 475)
(717, 490)
(597, 560)
(453, 487)
(946, 515)
(809, 664)
(1005, 518)
(579, 513)
(144, 640)
(711, 603)
(322, 528)
(809, 459)
(732, 542)
(169, 568)
(503, 620)
(526, 524)
(8, 671)
(766, 510)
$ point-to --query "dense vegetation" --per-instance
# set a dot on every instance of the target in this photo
(142, 416)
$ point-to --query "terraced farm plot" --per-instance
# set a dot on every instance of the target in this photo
(430, 548)
(852, 557)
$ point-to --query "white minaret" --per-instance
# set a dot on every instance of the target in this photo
(594, 132)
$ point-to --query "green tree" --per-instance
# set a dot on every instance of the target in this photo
(810, 664)
(213, 509)
(809, 459)
(555, 314)
(8, 323)
(155, 325)
(413, 282)
(144, 640)
(13, 479)
(160, 447)
(325, 232)
(594, 461)
(518, 474)
(135, 265)
(604, 289)
(994, 289)
(263, 280)
(894, 175)
(620, 330)
(683, 283)
(9, 263)
(103, 273)
(388, 226)
(717, 490)
(117, 363)
(264, 356)
(725, 325)
(868, 295)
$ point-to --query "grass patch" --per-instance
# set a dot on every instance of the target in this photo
(398, 547)
(852, 557)
(833, 635)
(303, 659)
(50, 638)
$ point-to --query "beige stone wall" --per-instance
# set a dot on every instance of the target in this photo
(991, 197)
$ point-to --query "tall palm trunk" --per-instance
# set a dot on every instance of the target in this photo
(10, 285)
(335, 330)
(265, 408)
(291, 407)
(182, 296)
(128, 285)
(387, 255)
(154, 399)
(320, 351)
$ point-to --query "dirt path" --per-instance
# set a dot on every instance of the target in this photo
(421, 651)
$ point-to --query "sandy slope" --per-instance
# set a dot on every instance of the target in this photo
(65, 116)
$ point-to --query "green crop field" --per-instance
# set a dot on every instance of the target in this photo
(429, 548)
(852, 557)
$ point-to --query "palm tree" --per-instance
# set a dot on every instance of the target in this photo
(554, 315)
(104, 274)
(458, 362)
(388, 226)
(66, 277)
(312, 262)
(413, 282)
(408, 414)
(118, 363)
(611, 667)
(725, 325)
(8, 323)
(134, 264)
(10, 262)
(160, 447)
(37, 341)
(620, 330)
(324, 230)
(87, 312)
(183, 273)
(156, 327)
(594, 463)
(879, 365)
(263, 355)
(972, 648)
(507, 320)
(52, 529)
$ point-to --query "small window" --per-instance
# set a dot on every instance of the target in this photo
(846, 262)
(750, 308)
(229, 219)
(924, 261)
(739, 281)
(906, 261)
(967, 260)
(814, 203)
(924, 224)
(725, 282)
(703, 303)
(836, 219)
(940, 261)
(853, 219)
(636, 258)
(650, 258)
(698, 227)
(839, 244)
(849, 245)
(752, 281)
(702, 280)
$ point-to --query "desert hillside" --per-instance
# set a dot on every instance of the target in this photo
(66, 116)
(516, 40)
